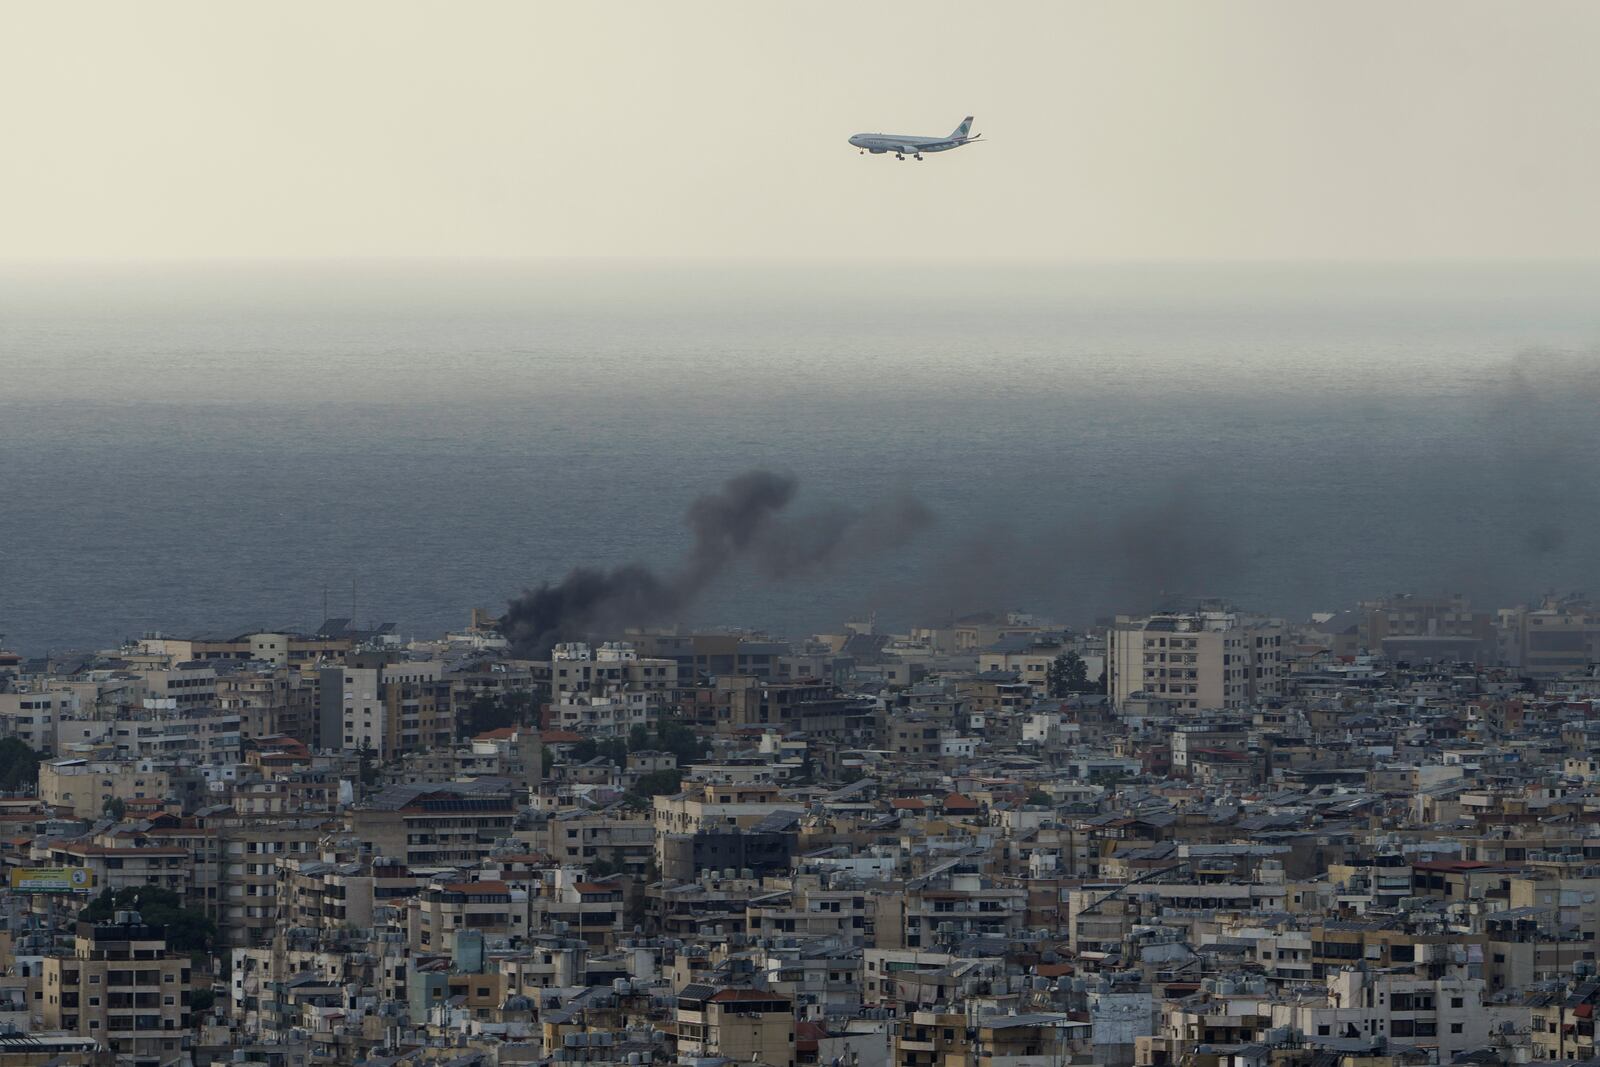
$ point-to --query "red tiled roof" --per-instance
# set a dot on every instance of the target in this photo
(907, 804)
(503, 733)
(560, 737)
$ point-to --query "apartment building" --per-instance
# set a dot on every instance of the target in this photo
(127, 866)
(1559, 637)
(712, 806)
(1199, 660)
(183, 686)
(249, 850)
(121, 986)
(737, 1024)
(1440, 628)
(578, 668)
(386, 708)
(32, 717)
(270, 703)
(279, 649)
(616, 837)
(946, 906)
(445, 909)
(85, 787)
(441, 824)
(165, 733)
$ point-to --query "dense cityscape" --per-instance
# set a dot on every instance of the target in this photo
(1194, 838)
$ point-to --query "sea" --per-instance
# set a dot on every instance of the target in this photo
(206, 448)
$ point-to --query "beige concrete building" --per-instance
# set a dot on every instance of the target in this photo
(279, 649)
(743, 1025)
(113, 867)
(1200, 660)
(123, 987)
(446, 908)
(387, 709)
(270, 703)
(714, 806)
(32, 718)
(84, 787)
(444, 824)
(1559, 637)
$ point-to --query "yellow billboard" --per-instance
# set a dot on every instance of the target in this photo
(51, 879)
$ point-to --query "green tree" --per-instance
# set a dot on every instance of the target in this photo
(202, 1000)
(1068, 674)
(613, 750)
(19, 767)
(368, 769)
(114, 808)
(494, 712)
(807, 775)
(639, 738)
(636, 914)
(188, 930)
(1040, 799)
(658, 783)
(680, 740)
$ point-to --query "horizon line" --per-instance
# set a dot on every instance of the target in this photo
(11, 262)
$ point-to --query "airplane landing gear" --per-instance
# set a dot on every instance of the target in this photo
(898, 156)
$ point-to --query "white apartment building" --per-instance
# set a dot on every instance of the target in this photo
(1199, 660)
(609, 689)
(33, 718)
(579, 668)
(387, 710)
(163, 732)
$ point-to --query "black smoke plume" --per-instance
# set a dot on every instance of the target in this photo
(743, 520)
(1171, 547)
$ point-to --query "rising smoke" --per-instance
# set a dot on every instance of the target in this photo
(742, 521)
(1170, 546)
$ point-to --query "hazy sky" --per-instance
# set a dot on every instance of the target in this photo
(1229, 130)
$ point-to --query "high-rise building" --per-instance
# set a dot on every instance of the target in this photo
(1198, 660)
(122, 986)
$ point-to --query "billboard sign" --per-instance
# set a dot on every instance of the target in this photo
(51, 879)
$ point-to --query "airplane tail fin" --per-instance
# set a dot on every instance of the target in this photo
(963, 129)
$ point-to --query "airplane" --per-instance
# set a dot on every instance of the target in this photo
(901, 146)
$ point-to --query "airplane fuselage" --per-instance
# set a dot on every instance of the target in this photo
(893, 142)
(903, 145)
